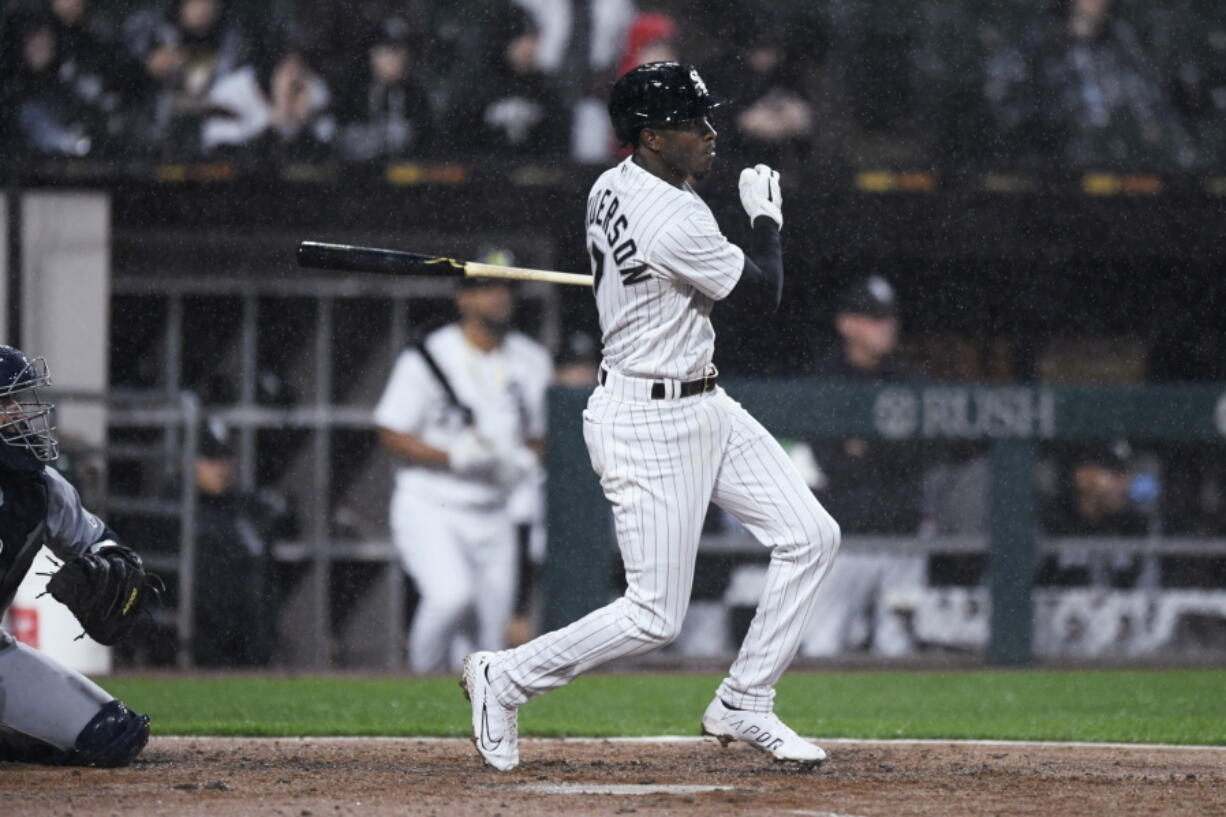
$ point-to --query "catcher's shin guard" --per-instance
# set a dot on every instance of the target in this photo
(114, 736)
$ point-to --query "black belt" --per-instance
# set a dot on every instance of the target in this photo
(688, 388)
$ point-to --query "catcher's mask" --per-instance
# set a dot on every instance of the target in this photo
(25, 421)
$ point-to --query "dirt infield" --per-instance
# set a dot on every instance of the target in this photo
(442, 778)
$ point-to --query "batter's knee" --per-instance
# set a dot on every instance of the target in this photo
(658, 630)
(113, 737)
(660, 636)
(821, 535)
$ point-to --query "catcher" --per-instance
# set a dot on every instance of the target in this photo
(48, 713)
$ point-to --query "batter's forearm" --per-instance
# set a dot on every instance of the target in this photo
(761, 284)
(408, 447)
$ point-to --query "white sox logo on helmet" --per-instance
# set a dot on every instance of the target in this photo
(699, 85)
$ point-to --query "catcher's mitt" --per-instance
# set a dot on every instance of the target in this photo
(108, 591)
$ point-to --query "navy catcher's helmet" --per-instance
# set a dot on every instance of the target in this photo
(25, 421)
(657, 94)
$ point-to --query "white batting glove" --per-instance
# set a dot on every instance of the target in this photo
(471, 456)
(515, 465)
(760, 194)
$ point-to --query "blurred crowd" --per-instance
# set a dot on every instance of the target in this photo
(1101, 83)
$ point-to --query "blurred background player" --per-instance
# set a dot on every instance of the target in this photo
(48, 713)
(1093, 498)
(235, 601)
(871, 487)
(464, 411)
(868, 487)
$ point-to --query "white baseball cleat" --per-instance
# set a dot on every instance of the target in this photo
(495, 727)
(761, 730)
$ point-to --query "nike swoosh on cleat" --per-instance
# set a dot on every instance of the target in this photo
(487, 740)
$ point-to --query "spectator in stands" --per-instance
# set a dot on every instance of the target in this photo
(580, 44)
(1196, 49)
(578, 37)
(871, 487)
(48, 112)
(84, 103)
(234, 610)
(334, 33)
(387, 113)
(652, 37)
(275, 107)
(186, 47)
(773, 120)
(89, 46)
(944, 63)
(1080, 88)
(513, 111)
(92, 60)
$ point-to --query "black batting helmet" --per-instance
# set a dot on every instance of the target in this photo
(659, 94)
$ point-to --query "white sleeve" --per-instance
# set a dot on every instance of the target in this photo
(693, 250)
(71, 529)
(406, 397)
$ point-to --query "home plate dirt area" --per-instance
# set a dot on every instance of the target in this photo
(323, 777)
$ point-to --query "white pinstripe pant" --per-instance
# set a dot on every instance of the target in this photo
(661, 462)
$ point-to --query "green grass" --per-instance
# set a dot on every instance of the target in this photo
(1179, 706)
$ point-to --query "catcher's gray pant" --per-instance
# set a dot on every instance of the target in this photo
(43, 700)
(661, 463)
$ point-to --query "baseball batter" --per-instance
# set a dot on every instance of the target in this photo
(48, 713)
(665, 439)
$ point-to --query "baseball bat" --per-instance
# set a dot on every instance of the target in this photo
(396, 262)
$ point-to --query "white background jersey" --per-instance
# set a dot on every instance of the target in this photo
(660, 263)
(505, 388)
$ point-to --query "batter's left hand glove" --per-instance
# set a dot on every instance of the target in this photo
(760, 196)
(108, 591)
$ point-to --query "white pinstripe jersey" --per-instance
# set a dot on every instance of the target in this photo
(660, 263)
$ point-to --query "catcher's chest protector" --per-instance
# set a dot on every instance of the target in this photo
(23, 512)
